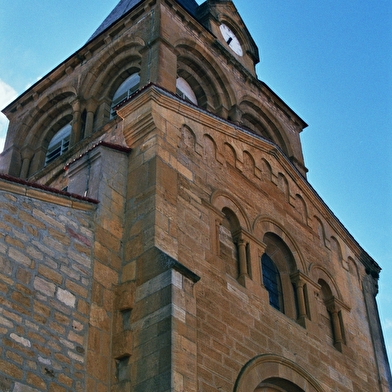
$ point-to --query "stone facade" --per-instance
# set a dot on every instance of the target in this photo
(135, 260)
(46, 279)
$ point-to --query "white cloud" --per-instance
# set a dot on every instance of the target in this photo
(7, 95)
(387, 324)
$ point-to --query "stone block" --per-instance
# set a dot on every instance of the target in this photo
(50, 274)
(5, 384)
(11, 370)
(36, 381)
(54, 387)
(24, 276)
(104, 275)
(44, 286)
(20, 257)
(125, 295)
(21, 299)
(23, 388)
(76, 357)
(63, 379)
(76, 289)
(122, 344)
(14, 357)
(99, 318)
(66, 297)
(74, 337)
(6, 323)
(98, 366)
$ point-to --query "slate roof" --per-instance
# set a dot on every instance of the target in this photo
(126, 5)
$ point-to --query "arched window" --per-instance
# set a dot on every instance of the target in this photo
(184, 91)
(126, 89)
(272, 283)
(330, 316)
(279, 277)
(227, 245)
(59, 144)
(325, 322)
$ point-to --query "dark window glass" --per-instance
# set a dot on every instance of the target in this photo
(271, 281)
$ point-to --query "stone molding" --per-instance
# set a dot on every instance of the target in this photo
(44, 193)
(267, 366)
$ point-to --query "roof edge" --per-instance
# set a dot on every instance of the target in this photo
(27, 184)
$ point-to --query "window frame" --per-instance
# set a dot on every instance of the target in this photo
(119, 96)
(272, 282)
(59, 144)
(185, 91)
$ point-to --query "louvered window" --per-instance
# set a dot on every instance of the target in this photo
(59, 144)
(126, 89)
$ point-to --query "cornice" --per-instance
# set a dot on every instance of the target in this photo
(44, 193)
(102, 143)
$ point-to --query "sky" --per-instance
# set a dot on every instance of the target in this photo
(330, 61)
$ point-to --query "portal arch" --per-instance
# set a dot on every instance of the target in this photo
(276, 373)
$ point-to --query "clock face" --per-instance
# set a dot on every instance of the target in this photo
(231, 39)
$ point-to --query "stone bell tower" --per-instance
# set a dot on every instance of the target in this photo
(159, 230)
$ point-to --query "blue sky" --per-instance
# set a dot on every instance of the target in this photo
(330, 61)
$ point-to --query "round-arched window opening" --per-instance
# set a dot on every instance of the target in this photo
(59, 144)
(271, 281)
(126, 89)
(184, 91)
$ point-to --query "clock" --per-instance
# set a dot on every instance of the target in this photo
(231, 39)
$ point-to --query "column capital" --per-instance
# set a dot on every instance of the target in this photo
(335, 304)
(332, 305)
(76, 104)
(300, 278)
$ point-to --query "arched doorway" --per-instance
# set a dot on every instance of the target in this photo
(273, 373)
(278, 385)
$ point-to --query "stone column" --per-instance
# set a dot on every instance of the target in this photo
(242, 257)
(27, 154)
(299, 286)
(90, 118)
(300, 281)
(334, 310)
(76, 123)
(216, 218)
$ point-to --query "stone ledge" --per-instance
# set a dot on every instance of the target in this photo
(45, 193)
(171, 263)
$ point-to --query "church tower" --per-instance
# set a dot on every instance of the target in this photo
(159, 233)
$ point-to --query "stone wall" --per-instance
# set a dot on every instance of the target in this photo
(160, 286)
(202, 166)
(135, 292)
(45, 289)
